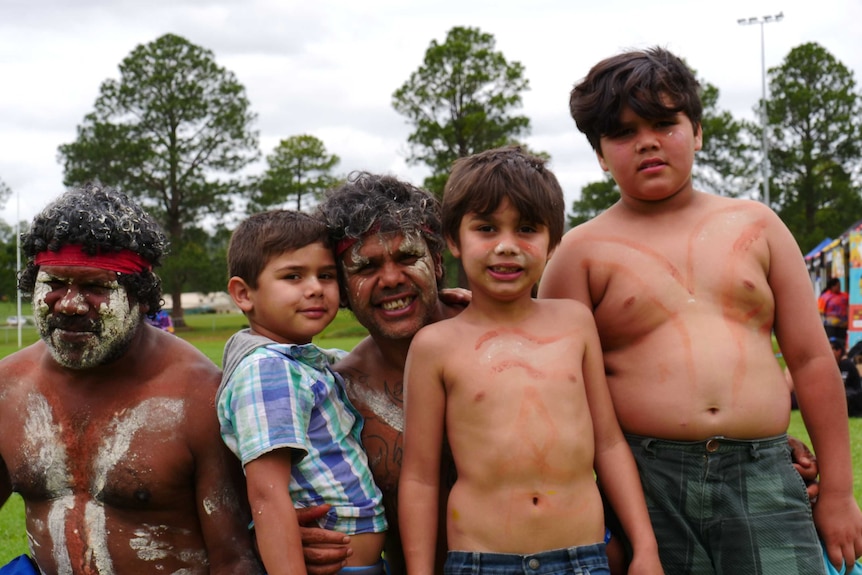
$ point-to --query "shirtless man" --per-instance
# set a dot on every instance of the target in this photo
(110, 435)
(687, 289)
(389, 249)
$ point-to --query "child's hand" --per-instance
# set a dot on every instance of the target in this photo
(839, 523)
(645, 564)
(806, 465)
(325, 551)
(456, 296)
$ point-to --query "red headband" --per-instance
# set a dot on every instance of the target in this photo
(345, 244)
(123, 261)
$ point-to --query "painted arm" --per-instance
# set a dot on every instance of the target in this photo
(615, 467)
(418, 487)
(820, 393)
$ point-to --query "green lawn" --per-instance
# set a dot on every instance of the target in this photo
(209, 332)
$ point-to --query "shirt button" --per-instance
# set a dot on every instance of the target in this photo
(533, 563)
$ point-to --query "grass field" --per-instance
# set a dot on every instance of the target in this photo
(209, 332)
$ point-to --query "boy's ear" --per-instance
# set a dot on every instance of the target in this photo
(240, 293)
(456, 251)
(602, 161)
(698, 138)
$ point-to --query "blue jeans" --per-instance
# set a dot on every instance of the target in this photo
(581, 560)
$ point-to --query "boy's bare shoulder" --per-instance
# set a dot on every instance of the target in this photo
(439, 330)
(563, 306)
(565, 311)
(577, 238)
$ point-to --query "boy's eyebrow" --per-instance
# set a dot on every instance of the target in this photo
(299, 267)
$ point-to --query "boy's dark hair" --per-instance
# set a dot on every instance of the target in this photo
(478, 184)
(653, 83)
(371, 203)
(265, 235)
(101, 220)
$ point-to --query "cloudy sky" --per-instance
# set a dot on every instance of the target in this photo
(329, 68)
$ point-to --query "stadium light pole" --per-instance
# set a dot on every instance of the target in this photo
(763, 118)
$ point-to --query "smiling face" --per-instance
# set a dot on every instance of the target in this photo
(650, 160)
(391, 283)
(83, 315)
(503, 255)
(296, 295)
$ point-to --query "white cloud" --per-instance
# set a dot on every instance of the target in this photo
(330, 68)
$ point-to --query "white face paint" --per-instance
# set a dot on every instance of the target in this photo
(57, 529)
(148, 545)
(156, 414)
(43, 447)
(107, 337)
(97, 532)
(379, 404)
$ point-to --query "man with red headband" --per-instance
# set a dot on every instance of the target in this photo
(110, 435)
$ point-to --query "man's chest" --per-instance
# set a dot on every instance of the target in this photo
(124, 458)
(380, 400)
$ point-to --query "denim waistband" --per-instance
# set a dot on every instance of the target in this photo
(550, 561)
(378, 568)
(715, 444)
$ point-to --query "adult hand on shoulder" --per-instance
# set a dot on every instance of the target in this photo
(806, 465)
(456, 296)
(839, 524)
(325, 551)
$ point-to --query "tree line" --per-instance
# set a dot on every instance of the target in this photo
(176, 130)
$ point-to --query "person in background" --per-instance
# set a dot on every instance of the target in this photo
(834, 307)
(162, 320)
(850, 375)
(109, 434)
(389, 251)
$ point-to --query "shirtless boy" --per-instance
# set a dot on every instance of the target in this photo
(687, 289)
(518, 385)
(109, 434)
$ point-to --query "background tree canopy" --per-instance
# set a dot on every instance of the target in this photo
(461, 101)
(169, 132)
(175, 131)
(815, 134)
(299, 168)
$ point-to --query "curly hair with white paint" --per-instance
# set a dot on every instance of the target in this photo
(101, 220)
(372, 203)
